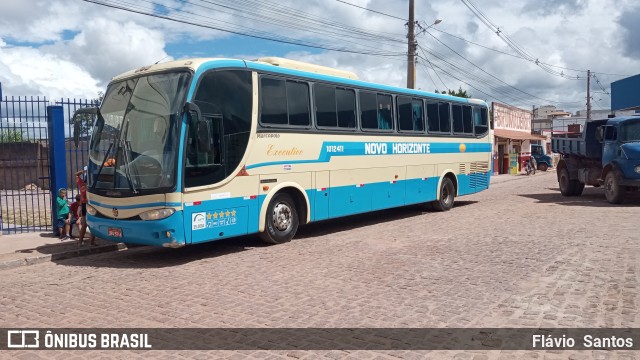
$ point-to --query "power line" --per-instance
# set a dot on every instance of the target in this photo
(489, 48)
(243, 31)
(491, 75)
(374, 11)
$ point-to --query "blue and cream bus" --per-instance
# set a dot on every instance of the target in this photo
(204, 149)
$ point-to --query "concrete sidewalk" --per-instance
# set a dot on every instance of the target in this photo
(38, 247)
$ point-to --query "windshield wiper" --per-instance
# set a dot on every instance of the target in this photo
(126, 147)
(104, 161)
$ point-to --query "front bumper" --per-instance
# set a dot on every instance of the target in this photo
(168, 232)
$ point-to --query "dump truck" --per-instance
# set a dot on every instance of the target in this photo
(543, 160)
(605, 153)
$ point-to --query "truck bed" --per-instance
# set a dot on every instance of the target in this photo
(580, 144)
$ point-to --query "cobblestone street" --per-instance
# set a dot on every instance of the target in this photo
(517, 255)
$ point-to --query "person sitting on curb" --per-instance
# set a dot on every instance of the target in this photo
(64, 216)
(75, 217)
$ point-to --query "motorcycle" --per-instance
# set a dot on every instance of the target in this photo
(530, 166)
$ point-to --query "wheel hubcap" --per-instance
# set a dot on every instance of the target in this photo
(282, 216)
(446, 195)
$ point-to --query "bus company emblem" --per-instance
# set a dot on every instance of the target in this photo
(115, 212)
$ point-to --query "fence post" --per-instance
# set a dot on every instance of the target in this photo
(1, 219)
(57, 158)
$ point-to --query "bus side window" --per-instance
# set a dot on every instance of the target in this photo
(418, 110)
(409, 114)
(433, 120)
(458, 126)
(467, 120)
(325, 105)
(384, 112)
(197, 155)
(368, 108)
(480, 123)
(445, 117)
(346, 101)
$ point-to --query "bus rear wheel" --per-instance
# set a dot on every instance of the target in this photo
(447, 196)
(543, 167)
(281, 220)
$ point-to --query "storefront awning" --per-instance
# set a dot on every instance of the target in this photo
(517, 135)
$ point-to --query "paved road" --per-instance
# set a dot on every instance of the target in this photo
(483, 264)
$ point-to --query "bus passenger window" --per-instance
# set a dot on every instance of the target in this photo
(433, 119)
(445, 121)
(418, 121)
(467, 120)
(405, 113)
(274, 101)
(298, 103)
(346, 100)
(384, 112)
(480, 121)
(325, 101)
(456, 111)
(368, 106)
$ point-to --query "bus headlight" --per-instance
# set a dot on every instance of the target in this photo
(91, 210)
(637, 169)
(156, 214)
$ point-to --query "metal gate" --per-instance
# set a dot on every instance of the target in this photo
(25, 160)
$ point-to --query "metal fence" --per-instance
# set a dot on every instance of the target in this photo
(26, 164)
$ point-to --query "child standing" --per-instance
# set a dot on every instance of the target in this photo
(63, 214)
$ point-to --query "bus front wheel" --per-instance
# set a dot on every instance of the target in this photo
(281, 220)
(447, 196)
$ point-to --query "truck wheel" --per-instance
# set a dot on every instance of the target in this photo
(565, 183)
(282, 220)
(612, 189)
(578, 187)
(447, 196)
(543, 167)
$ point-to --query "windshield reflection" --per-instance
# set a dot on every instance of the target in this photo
(134, 147)
(630, 131)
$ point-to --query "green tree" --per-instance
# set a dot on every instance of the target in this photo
(11, 136)
(458, 93)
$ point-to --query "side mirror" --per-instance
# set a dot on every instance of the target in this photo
(204, 135)
(76, 132)
(78, 118)
(600, 133)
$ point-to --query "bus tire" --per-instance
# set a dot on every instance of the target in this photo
(565, 183)
(447, 196)
(281, 221)
(543, 167)
(612, 189)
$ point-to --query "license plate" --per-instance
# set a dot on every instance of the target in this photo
(114, 232)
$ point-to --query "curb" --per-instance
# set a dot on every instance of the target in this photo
(11, 264)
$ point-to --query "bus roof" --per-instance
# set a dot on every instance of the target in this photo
(290, 67)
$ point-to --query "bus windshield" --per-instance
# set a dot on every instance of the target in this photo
(134, 146)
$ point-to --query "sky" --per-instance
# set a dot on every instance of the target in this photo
(72, 48)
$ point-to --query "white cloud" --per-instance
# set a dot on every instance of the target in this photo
(27, 71)
(569, 33)
(106, 48)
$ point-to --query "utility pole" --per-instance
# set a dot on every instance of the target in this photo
(411, 56)
(588, 95)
